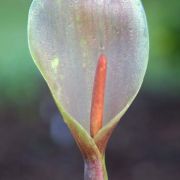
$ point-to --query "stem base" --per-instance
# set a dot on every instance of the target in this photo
(95, 169)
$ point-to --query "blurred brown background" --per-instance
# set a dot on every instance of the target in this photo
(35, 143)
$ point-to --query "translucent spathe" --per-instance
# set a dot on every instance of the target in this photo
(66, 38)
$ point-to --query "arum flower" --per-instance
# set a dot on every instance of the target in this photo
(93, 55)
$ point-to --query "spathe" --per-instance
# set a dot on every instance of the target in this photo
(66, 38)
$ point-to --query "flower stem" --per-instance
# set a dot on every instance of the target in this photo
(95, 169)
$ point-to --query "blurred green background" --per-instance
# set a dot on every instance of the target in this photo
(30, 145)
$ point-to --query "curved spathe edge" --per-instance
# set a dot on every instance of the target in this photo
(81, 136)
(102, 137)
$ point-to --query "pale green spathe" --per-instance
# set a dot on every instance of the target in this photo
(66, 38)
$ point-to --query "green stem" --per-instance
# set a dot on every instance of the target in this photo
(104, 168)
(95, 169)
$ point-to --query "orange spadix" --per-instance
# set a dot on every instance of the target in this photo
(97, 104)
